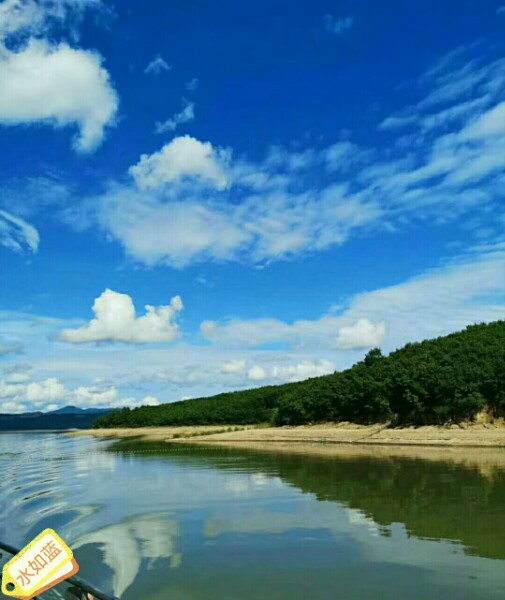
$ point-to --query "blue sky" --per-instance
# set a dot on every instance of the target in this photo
(285, 185)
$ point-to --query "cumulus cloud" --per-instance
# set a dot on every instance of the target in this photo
(115, 321)
(51, 394)
(49, 390)
(182, 157)
(74, 90)
(186, 115)
(94, 396)
(363, 334)
(157, 65)
(468, 289)
(16, 234)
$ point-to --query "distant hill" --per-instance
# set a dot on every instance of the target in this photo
(444, 380)
(68, 417)
(75, 410)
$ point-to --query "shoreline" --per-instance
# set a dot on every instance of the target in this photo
(465, 435)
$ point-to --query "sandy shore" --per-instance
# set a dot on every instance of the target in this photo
(465, 435)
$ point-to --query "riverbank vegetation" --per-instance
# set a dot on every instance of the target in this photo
(445, 380)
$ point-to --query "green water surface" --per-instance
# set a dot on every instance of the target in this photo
(151, 522)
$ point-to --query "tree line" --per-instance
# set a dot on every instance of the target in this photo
(444, 380)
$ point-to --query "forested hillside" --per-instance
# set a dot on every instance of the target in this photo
(445, 380)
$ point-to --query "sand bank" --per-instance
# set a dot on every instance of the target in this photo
(464, 435)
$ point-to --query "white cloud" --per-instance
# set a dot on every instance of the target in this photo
(234, 366)
(260, 332)
(312, 199)
(468, 289)
(398, 122)
(303, 370)
(290, 372)
(257, 373)
(8, 390)
(75, 90)
(52, 394)
(490, 123)
(175, 233)
(36, 16)
(186, 115)
(17, 378)
(94, 396)
(190, 203)
(49, 390)
(16, 234)
(263, 227)
(363, 334)
(337, 25)
(183, 157)
(150, 401)
(115, 321)
(157, 66)
(442, 300)
(12, 407)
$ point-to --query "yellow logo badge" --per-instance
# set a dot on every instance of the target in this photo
(40, 565)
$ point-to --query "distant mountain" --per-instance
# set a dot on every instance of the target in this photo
(74, 410)
(67, 417)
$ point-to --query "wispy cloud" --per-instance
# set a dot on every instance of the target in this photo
(186, 115)
(469, 289)
(337, 25)
(157, 66)
(192, 201)
(36, 17)
(16, 234)
(192, 85)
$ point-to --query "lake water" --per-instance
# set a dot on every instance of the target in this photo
(147, 522)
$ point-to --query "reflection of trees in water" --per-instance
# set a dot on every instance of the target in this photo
(432, 499)
(126, 544)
